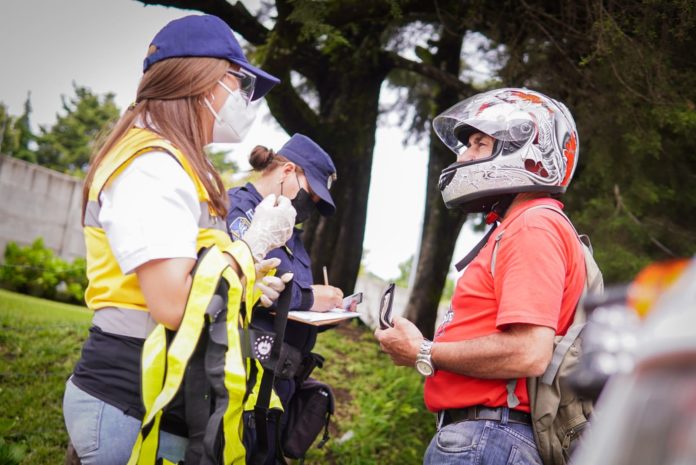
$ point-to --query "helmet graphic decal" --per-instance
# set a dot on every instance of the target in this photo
(535, 148)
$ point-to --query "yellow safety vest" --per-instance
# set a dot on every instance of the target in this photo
(108, 286)
(163, 364)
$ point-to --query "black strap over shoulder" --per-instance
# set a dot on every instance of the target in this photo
(474, 252)
(498, 211)
(262, 411)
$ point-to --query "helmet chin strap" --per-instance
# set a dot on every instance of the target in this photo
(498, 211)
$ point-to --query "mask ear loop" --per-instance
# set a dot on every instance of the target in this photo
(231, 92)
(297, 178)
(207, 103)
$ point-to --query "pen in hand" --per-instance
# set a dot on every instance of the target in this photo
(326, 277)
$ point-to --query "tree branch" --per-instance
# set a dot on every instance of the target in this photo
(620, 205)
(291, 112)
(444, 78)
(235, 15)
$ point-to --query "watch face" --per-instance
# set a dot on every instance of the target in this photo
(424, 368)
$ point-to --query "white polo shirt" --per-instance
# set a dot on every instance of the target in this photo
(150, 211)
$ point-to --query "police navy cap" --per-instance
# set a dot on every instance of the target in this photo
(318, 168)
(205, 36)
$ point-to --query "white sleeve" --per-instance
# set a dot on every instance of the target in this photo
(150, 211)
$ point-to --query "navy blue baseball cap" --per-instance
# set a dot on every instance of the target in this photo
(205, 36)
(318, 168)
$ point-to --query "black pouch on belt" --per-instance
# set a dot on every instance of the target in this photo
(309, 413)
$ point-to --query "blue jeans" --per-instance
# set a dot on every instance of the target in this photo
(483, 442)
(104, 435)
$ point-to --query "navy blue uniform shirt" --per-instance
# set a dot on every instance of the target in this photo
(293, 257)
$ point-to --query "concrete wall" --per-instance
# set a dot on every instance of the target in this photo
(39, 202)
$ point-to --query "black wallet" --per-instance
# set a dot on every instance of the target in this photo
(385, 307)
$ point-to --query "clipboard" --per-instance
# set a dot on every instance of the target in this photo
(347, 311)
(329, 317)
(385, 307)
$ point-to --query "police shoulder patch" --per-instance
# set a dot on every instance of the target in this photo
(238, 227)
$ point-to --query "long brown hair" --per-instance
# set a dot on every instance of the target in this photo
(169, 102)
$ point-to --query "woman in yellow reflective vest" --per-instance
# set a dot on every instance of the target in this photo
(151, 201)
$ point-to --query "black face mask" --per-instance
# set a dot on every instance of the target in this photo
(303, 204)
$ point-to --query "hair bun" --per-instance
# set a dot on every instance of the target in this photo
(261, 157)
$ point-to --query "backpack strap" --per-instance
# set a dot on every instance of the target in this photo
(560, 352)
(262, 412)
(575, 330)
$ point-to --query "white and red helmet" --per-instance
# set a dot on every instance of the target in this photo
(536, 147)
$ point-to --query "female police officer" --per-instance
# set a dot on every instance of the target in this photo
(304, 172)
(151, 200)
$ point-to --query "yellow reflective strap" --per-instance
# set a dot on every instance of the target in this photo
(153, 368)
(205, 281)
(150, 445)
(153, 365)
(235, 376)
(156, 394)
(242, 255)
(254, 394)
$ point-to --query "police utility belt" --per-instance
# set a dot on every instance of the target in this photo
(479, 412)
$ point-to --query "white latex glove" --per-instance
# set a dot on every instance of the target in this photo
(270, 286)
(271, 226)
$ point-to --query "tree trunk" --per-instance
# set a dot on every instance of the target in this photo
(440, 226)
(348, 86)
(349, 137)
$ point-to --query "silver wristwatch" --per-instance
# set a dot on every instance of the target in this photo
(424, 364)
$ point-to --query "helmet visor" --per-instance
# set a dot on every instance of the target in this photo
(486, 113)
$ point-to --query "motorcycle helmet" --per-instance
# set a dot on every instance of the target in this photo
(535, 147)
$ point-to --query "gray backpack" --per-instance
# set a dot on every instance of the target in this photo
(558, 414)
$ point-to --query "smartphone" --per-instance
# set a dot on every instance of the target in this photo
(351, 302)
(385, 307)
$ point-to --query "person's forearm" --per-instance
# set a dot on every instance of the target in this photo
(509, 354)
(166, 284)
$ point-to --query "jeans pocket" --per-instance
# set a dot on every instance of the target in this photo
(459, 437)
(82, 413)
(523, 455)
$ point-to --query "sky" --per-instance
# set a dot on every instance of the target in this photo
(46, 45)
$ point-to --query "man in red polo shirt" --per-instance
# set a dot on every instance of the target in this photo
(516, 149)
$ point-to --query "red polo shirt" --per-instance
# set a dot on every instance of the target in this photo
(539, 276)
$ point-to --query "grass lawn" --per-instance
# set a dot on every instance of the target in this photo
(40, 342)
(380, 417)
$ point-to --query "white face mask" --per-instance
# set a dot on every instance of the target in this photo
(235, 118)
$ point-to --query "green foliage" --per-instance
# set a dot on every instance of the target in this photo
(39, 345)
(448, 291)
(226, 168)
(311, 15)
(11, 454)
(40, 342)
(68, 144)
(221, 163)
(404, 272)
(381, 404)
(625, 70)
(15, 133)
(35, 270)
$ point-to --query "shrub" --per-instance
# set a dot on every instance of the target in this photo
(37, 271)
